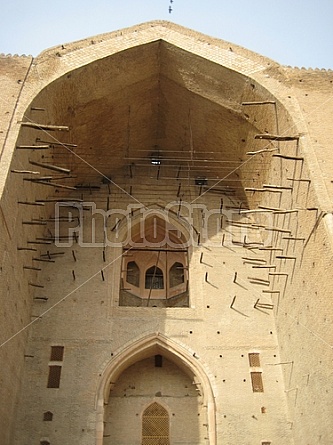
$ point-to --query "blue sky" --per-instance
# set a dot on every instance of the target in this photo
(291, 32)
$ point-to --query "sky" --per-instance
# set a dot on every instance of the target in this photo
(291, 32)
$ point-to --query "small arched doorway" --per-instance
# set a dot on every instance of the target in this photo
(155, 425)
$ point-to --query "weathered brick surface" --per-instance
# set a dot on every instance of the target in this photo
(121, 94)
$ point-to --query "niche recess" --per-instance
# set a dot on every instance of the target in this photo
(155, 266)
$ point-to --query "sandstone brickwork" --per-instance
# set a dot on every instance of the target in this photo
(166, 244)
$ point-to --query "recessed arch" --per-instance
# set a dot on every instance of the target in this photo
(154, 240)
(241, 68)
(142, 348)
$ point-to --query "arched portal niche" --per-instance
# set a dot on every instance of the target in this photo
(155, 370)
(155, 380)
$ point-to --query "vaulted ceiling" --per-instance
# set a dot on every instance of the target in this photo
(152, 99)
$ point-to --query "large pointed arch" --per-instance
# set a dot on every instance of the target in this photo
(54, 67)
(142, 348)
(155, 239)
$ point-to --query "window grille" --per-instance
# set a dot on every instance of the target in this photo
(133, 273)
(155, 425)
(257, 385)
(154, 278)
(254, 360)
(57, 353)
(54, 377)
(48, 416)
(176, 274)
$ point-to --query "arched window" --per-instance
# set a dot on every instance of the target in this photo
(155, 425)
(133, 273)
(154, 278)
(176, 274)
